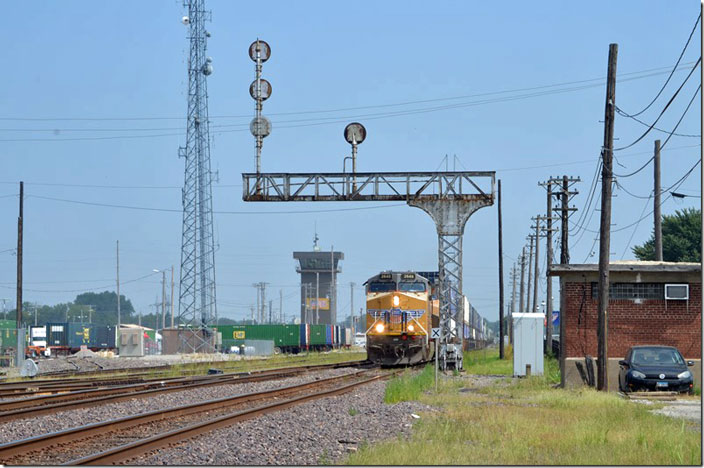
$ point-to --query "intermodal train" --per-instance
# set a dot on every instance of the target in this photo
(288, 338)
(402, 309)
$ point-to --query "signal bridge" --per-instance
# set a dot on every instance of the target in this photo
(450, 198)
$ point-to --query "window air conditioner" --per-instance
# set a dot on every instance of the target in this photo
(677, 292)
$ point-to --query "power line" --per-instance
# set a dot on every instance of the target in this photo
(671, 73)
(621, 112)
(668, 138)
(83, 290)
(342, 119)
(247, 116)
(168, 210)
(628, 244)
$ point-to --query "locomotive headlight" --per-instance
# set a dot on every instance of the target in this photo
(379, 328)
(411, 327)
(397, 301)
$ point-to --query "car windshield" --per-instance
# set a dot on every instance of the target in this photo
(656, 357)
(379, 286)
(415, 286)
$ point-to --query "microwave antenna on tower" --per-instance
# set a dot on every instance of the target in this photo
(197, 307)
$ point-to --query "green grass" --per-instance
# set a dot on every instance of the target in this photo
(527, 421)
(409, 385)
(486, 362)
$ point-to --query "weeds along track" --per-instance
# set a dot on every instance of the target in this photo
(124, 438)
(82, 398)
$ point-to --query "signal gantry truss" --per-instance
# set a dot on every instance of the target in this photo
(450, 198)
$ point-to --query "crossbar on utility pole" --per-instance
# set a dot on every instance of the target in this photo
(605, 225)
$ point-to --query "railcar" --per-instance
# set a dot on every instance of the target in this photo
(401, 312)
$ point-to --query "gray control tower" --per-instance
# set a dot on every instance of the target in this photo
(318, 271)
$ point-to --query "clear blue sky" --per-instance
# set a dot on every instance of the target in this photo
(117, 60)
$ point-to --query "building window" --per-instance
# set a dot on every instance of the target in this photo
(632, 291)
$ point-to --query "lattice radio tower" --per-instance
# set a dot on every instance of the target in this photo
(197, 306)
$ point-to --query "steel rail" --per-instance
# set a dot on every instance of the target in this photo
(30, 407)
(41, 442)
(142, 446)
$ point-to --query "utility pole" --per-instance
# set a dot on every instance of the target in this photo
(118, 287)
(263, 311)
(270, 312)
(523, 276)
(548, 253)
(317, 297)
(352, 285)
(605, 225)
(20, 339)
(656, 202)
(501, 283)
(536, 277)
(530, 267)
(172, 296)
(281, 306)
(163, 299)
(257, 285)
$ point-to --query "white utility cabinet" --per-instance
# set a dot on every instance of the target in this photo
(527, 343)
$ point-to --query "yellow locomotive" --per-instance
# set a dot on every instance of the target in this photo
(401, 311)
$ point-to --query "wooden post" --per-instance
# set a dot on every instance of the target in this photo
(523, 274)
(656, 203)
(20, 352)
(548, 253)
(605, 226)
(536, 257)
(501, 284)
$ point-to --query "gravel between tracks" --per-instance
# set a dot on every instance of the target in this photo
(29, 427)
(319, 432)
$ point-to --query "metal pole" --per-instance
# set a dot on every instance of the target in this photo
(333, 316)
(605, 225)
(281, 306)
(437, 349)
(656, 202)
(501, 282)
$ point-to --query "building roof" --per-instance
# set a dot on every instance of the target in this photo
(628, 265)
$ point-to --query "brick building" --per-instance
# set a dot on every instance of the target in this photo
(638, 312)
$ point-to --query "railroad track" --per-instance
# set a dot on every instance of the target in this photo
(49, 404)
(128, 437)
(34, 386)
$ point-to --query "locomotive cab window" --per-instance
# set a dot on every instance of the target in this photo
(415, 286)
(382, 286)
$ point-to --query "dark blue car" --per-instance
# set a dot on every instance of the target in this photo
(655, 368)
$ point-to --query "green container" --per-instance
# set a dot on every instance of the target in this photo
(8, 339)
(4, 324)
(283, 336)
(317, 335)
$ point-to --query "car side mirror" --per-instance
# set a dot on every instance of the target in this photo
(624, 363)
(690, 363)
